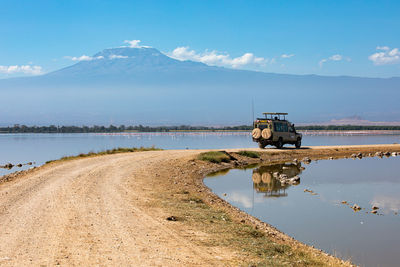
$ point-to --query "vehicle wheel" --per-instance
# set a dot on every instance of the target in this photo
(279, 144)
(298, 143)
(262, 145)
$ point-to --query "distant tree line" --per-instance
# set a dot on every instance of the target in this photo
(140, 128)
(346, 127)
(113, 129)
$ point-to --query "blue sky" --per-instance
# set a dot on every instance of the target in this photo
(358, 38)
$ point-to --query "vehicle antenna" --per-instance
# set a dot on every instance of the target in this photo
(252, 109)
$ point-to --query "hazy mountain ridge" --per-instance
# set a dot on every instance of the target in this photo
(142, 85)
(353, 120)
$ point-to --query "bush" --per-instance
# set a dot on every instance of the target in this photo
(249, 154)
(215, 156)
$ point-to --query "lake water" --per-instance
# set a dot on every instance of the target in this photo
(39, 148)
(312, 211)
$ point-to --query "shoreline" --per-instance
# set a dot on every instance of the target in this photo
(175, 187)
(306, 132)
(273, 156)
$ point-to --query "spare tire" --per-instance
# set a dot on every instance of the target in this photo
(266, 133)
(256, 178)
(256, 133)
(266, 177)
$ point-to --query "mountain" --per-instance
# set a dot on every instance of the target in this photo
(144, 86)
(354, 120)
(126, 62)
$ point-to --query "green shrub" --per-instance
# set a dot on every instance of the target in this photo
(215, 156)
(249, 154)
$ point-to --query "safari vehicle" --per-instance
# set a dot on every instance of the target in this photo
(275, 130)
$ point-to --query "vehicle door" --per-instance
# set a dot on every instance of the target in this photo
(279, 131)
(285, 131)
(291, 133)
(276, 131)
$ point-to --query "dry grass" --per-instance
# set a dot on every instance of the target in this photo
(107, 152)
(254, 245)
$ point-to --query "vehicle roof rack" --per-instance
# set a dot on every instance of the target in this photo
(279, 114)
(275, 113)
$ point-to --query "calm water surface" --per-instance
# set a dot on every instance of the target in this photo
(39, 148)
(319, 217)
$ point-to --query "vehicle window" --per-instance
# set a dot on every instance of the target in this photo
(280, 127)
(277, 127)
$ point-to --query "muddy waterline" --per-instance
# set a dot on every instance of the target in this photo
(319, 210)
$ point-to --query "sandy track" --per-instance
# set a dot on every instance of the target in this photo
(88, 212)
(94, 211)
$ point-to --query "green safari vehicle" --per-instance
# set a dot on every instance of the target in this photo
(275, 130)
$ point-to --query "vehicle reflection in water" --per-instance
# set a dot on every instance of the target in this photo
(266, 179)
(318, 211)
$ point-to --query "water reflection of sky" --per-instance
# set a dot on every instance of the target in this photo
(387, 203)
(321, 219)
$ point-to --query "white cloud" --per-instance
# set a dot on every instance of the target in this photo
(322, 61)
(287, 55)
(386, 204)
(26, 69)
(244, 199)
(84, 58)
(135, 44)
(385, 56)
(217, 59)
(117, 56)
(336, 57)
(238, 197)
(382, 48)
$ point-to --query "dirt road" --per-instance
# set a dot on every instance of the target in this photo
(88, 212)
(103, 211)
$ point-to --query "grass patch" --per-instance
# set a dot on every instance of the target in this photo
(249, 154)
(254, 246)
(195, 199)
(214, 156)
(108, 152)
